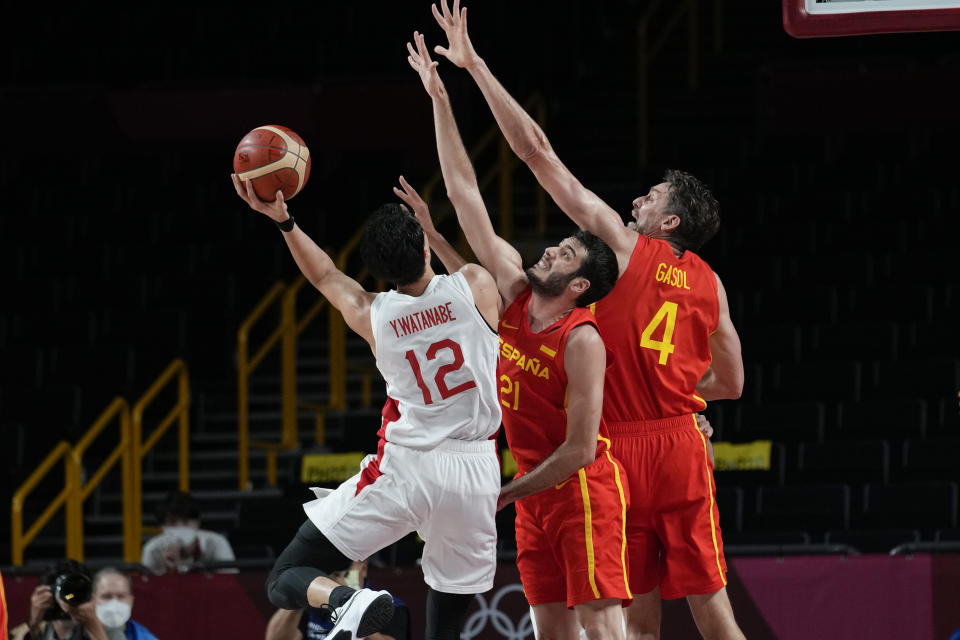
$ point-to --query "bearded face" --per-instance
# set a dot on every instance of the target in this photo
(550, 287)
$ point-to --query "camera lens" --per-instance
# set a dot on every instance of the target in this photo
(73, 588)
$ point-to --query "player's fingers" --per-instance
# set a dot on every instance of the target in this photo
(437, 16)
(422, 47)
(463, 18)
(403, 196)
(236, 184)
(411, 49)
(442, 51)
(455, 14)
(446, 9)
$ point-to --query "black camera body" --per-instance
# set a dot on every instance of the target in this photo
(74, 588)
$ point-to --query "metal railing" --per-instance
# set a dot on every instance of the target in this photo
(133, 529)
(117, 408)
(20, 539)
(129, 451)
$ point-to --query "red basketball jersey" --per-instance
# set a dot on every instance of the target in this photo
(533, 383)
(657, 320)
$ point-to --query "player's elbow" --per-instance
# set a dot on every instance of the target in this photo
(532, 145)
(733, 388)
(459, 192)
(586, 455)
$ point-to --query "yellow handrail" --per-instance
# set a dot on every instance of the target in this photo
(80, 491)
(245, 367)
(181, 410)
(18, 539)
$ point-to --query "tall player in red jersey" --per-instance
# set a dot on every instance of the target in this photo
(571, 494)
(675, 347)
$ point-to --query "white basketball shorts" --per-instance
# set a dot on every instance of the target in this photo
(448, 495)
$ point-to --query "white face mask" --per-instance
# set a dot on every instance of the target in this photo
(183, 535)
(113, 613)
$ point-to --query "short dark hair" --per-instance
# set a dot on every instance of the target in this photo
(599, 266)
(392, 245)
(691, 200)
(178, 505)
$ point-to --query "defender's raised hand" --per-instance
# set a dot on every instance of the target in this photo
(459, 49)
(420, 209)
(419, 59)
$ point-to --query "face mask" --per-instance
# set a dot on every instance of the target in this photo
(183, 535)
(353, 578)
(113, 613)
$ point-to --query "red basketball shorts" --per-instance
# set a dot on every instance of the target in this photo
(673, 526)
(571, 543)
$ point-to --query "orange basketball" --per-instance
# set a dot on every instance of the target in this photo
(275, 159)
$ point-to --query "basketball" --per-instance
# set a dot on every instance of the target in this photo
(275, 159)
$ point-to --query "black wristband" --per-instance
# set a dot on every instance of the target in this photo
(286, 225)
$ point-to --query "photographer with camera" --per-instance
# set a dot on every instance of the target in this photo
(60, 606)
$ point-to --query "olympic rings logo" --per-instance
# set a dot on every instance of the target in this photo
(501, 622)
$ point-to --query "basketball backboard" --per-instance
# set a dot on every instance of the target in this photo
(824, 18)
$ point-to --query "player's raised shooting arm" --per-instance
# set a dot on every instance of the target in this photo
(529, 142)
(342, 291)
(584, 361)
(724, 377)
(497, 256)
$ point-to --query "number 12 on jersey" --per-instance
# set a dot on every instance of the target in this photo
(442, 372)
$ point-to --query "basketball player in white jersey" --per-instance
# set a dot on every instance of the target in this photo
(436, 470)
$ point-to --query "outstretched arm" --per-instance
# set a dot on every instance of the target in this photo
(724, 377)
(500, 259)
(451, 259)
(529, 142)
(584, 362)
(343, 292)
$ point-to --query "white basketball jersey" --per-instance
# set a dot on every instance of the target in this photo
(438, 357)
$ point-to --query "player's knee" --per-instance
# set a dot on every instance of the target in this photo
(277, 596)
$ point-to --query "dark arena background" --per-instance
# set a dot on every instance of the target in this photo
(154, 334)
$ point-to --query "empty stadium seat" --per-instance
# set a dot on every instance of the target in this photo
(802, 508)
(923, 460)
(833, 381)
(856, 461)
(772, 344)
(805, 304)
(930, 378)
(925, 506)
(781, 422)
(856, 269)
(730, 505)
(853, 341)
(909, 303)
(893, 418)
